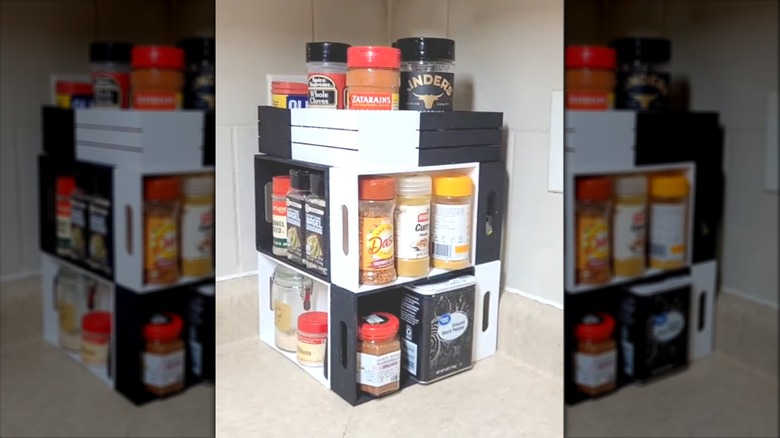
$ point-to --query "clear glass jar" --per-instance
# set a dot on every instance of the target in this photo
(326, 64)
(70, 301)
(629, 226)
(427, 74)
(452, 206)
(291, 295)
(377, 250)
(412, 226)
(593, 211)
(296, 215)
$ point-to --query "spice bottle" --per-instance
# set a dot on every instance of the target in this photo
(291, 295)
(157, 79)
(590, 78)
(373, 78)
(312, 337)
(427, 73)
(280, 186)
(642, 83)
(377, 253)
(100, 226)
(163, 357)
(412, 225)
(96, 338)
(668, 218)
(79, 231)
(110, 65)
(296, 204)
(326, 64)
(161, 229)
(65, 187)
(595, 361)
(379, 354)
(289, 94)
(629, 226)
(197, 226)
(199, 69)
(317, 245)
(452, 211)
(70, 302)
(592, 229)
(73, 95)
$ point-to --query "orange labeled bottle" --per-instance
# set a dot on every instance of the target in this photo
(161, 230)
(377, 249)
(157, 79)
(592, 229)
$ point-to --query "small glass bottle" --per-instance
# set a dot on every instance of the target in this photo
(161, 230)
(326, 64)
(379, 354)
(376, 202)
(291, 295)
(642, 80)
(427, 74)
(197, 226)
(452, 213)
(296, 215)
(589, 78)
(668, 221)
(317, 245)
(373, 78)
(595, 361)
(412, 225)
(157, 78)
(629, 226)
(593, 212)
(280, 185)
(163, 358)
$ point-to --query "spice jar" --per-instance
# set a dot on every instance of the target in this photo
(289, 94)
(452, 211)
(73, 95)
(163, 357)
(412, 225)
(79, 202)
(642, 83)
(668, 218)
(65, 186)
(595, 361)
(377, 254)
(590, 78)
(100, 225)
(291, 295)
(280, 186)
(592, 229)
(197, 226)
(427, 73)
(373, 78)
(157, 80)
(70, 301)
(379, 354)
(199, 69)
(312, 337)
(317, 245)
(161, 230)
(95, 338)
(629, 226)
(326, 64)
(110, 65)
(296, 204)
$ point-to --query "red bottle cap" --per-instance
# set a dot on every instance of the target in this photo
(373, 56)
(313, 322)
(158, 56)
(378, 326)
(281, 184)
(595, 327)
(590, 56)
(595, 188)
(164, 327)
(66, 185)
(96, 322)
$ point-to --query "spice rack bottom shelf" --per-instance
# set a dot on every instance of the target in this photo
(318, 373)
(99, 372)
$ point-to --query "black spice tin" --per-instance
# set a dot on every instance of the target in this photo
(641, 82)
(199, 72)
(427, 74)
(437, 328)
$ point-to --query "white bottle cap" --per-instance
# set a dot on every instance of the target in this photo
(199, 185)
(631, 185)
(413, 185)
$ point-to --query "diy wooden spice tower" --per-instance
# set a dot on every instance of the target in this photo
(118, 149)
(344, 145)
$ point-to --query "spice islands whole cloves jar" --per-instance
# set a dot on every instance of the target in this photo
(427, 73)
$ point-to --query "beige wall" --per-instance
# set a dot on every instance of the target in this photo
(41, 37)
(508, 56)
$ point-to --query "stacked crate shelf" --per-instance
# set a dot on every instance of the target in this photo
(344, 145)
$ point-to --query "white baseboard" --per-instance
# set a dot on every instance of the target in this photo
(19, 276)
(749, 297)
(536, 298)
(234, 276)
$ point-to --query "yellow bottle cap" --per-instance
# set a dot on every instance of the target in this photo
(452, 186)
(669, 186)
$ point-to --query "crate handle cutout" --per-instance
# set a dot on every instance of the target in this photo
(343, 342)
(345, 229)
(271, 293)
(491, 212)
(129, 229)
(485, 311)
(702, 306)
(269, 209)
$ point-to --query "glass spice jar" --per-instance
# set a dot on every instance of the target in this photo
(592, 229)
(427, 73)
(412, 225)
(157, 79)
(291, 295)
(629, 226)
(379, 354)
(595, 361)
(452, 210)
(642, 80)
(296, 215)
(200, 67)
(312, 337)
(163, 358)
(590, 78)
(668, 219)
(377, 253)
(95, 338)
(373, 78)
(110, 66)
(326, 63)
(161, 230)
(280, 186)
(317, 245)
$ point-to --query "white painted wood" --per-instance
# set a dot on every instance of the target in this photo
(771, 158)
(589, 147)
(488, 282)
(702, 341)
(555, 162)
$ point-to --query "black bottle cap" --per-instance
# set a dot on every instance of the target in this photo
(110, 51)
(198, 49)
(426, 49)
(317, 183)
(299, 179)
(326, 52)
(651, 50)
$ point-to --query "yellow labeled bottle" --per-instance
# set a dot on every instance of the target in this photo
(629, 226)
(197, 226)
(668, 219)
(452, 211)
(412, 225)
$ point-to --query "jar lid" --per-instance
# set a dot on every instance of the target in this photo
(313, 322)
(426, 49)
(158, 56)
(376, 188)
(291, 278)
(326, 52)
(631, 185)
(72, 87)
(413, 185)
(198, 48)
(652, 50)
(595, 188)
(110, 51)
(373, 56)
(279, 87)
(162, 188)
(590, 56)
(378, 326)
(65, 185)
(163, 327)
(299, 179)
(281, 184)
(317, 184)
(96, 322)
(595, 327)
(458, 185)
(199, 185)
(670, 186)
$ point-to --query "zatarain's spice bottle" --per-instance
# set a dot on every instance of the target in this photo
(157, 79)
(327, 66)
(590, 78)
(427, 73)
(373, 78)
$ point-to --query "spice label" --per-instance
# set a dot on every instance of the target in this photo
(67, 317)
(377, 250)
(197, 229)
(326, 90)
(161, 370)
(628, 232)
(372, 101)
(643, 90)
(378, 371)
(316, 244)
(667, 232)
(201, 92)
(282, 316)
(279, 219)
(289, 101)
(63, 226)
(589, 100)
(427, 91)
(156, 100)
(595, 370)
(78, 228)
(109, 90)
(295, 230)
(593, 251)
(161, 245)
(311, 350)
(451, 232)
(99, 241)
(412, 231)
(94, 350)
(409, 356)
